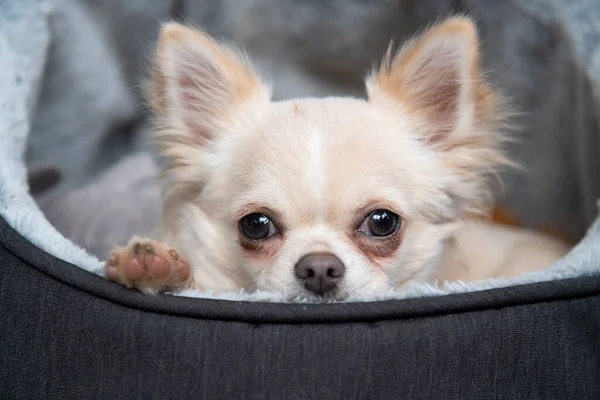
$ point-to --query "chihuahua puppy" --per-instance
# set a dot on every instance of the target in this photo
(329, 198)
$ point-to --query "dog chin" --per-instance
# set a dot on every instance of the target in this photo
(338, 294)
(306, 296)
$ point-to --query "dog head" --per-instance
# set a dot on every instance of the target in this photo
(324, 198)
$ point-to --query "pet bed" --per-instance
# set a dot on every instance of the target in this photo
(65, 332)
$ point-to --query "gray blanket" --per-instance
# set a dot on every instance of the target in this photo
(72, 72)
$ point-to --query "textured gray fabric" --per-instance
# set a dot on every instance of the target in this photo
(67, 334)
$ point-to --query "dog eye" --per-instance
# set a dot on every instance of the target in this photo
(257, 226)
(380, 223)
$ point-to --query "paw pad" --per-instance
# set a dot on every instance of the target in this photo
(149, 266)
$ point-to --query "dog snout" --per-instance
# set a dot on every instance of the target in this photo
(320, 272)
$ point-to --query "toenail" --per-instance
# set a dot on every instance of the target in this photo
(136, 248)
(183, 269)
(173, 254)
(183, 264)
(149, 249)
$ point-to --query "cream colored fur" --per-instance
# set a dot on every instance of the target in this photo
(423, 145)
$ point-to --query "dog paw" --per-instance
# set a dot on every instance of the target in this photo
(148, 266)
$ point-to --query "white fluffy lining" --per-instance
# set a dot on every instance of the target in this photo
(24, 38)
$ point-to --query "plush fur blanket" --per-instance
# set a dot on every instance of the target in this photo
(70, 97)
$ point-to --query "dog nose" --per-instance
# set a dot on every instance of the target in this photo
(320, 272)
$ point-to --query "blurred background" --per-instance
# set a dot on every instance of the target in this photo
(91, 167)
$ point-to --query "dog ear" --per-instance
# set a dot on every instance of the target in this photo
(436, 79)
(198, 85)
(437, 76)
(200, 91)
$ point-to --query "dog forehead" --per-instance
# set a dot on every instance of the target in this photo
(313, 138)
(320, 158)
(307, 130)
